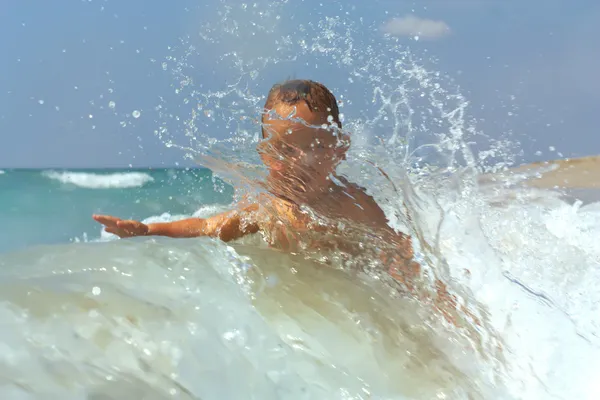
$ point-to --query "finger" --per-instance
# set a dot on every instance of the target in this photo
(113, 230)
(119, 232)
(127, 224)
(106, 219)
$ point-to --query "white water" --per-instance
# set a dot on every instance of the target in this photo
(174, 318)
(101, 181)
(533, 264)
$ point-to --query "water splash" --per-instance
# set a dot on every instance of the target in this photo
(412, 148)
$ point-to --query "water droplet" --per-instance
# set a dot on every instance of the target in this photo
(136, 114)
(96, 291)
(41, 101)
(111, 104)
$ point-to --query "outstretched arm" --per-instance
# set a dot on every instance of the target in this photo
(226, 226)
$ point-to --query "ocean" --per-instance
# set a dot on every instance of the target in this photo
(514, 258)
(55, 206)
(85, 314)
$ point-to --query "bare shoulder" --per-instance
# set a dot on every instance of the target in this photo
(257, 202)
(272, 208)
(358, 196)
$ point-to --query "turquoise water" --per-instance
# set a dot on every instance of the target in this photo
(55, 206)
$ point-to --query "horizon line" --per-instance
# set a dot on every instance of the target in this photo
(106, 168)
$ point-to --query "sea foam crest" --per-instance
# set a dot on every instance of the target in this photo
(89, 180)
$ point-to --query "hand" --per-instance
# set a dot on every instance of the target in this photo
(120, 227)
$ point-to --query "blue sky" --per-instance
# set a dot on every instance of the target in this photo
(526, 67)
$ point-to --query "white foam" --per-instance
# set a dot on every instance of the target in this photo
(121, 180)
(533, 267)
(2, 172)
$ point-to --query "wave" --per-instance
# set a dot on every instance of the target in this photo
(267, 324)
(2, 172)
(530, 261)
(120, 180)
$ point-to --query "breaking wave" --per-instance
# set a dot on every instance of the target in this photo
(101, 181)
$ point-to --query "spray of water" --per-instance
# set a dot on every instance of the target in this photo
(412, 148)
(411, 120)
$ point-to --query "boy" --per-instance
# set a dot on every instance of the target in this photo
(303, 148)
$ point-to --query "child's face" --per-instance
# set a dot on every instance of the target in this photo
(294, 148)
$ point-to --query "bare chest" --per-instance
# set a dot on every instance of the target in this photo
(291, 227)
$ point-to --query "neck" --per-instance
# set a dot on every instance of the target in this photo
(300, 190)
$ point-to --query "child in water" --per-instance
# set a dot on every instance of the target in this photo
(303, 148)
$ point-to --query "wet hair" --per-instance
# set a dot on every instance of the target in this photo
(316, 96)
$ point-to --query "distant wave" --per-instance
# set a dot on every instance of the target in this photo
(122, 180)
(2, 172)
